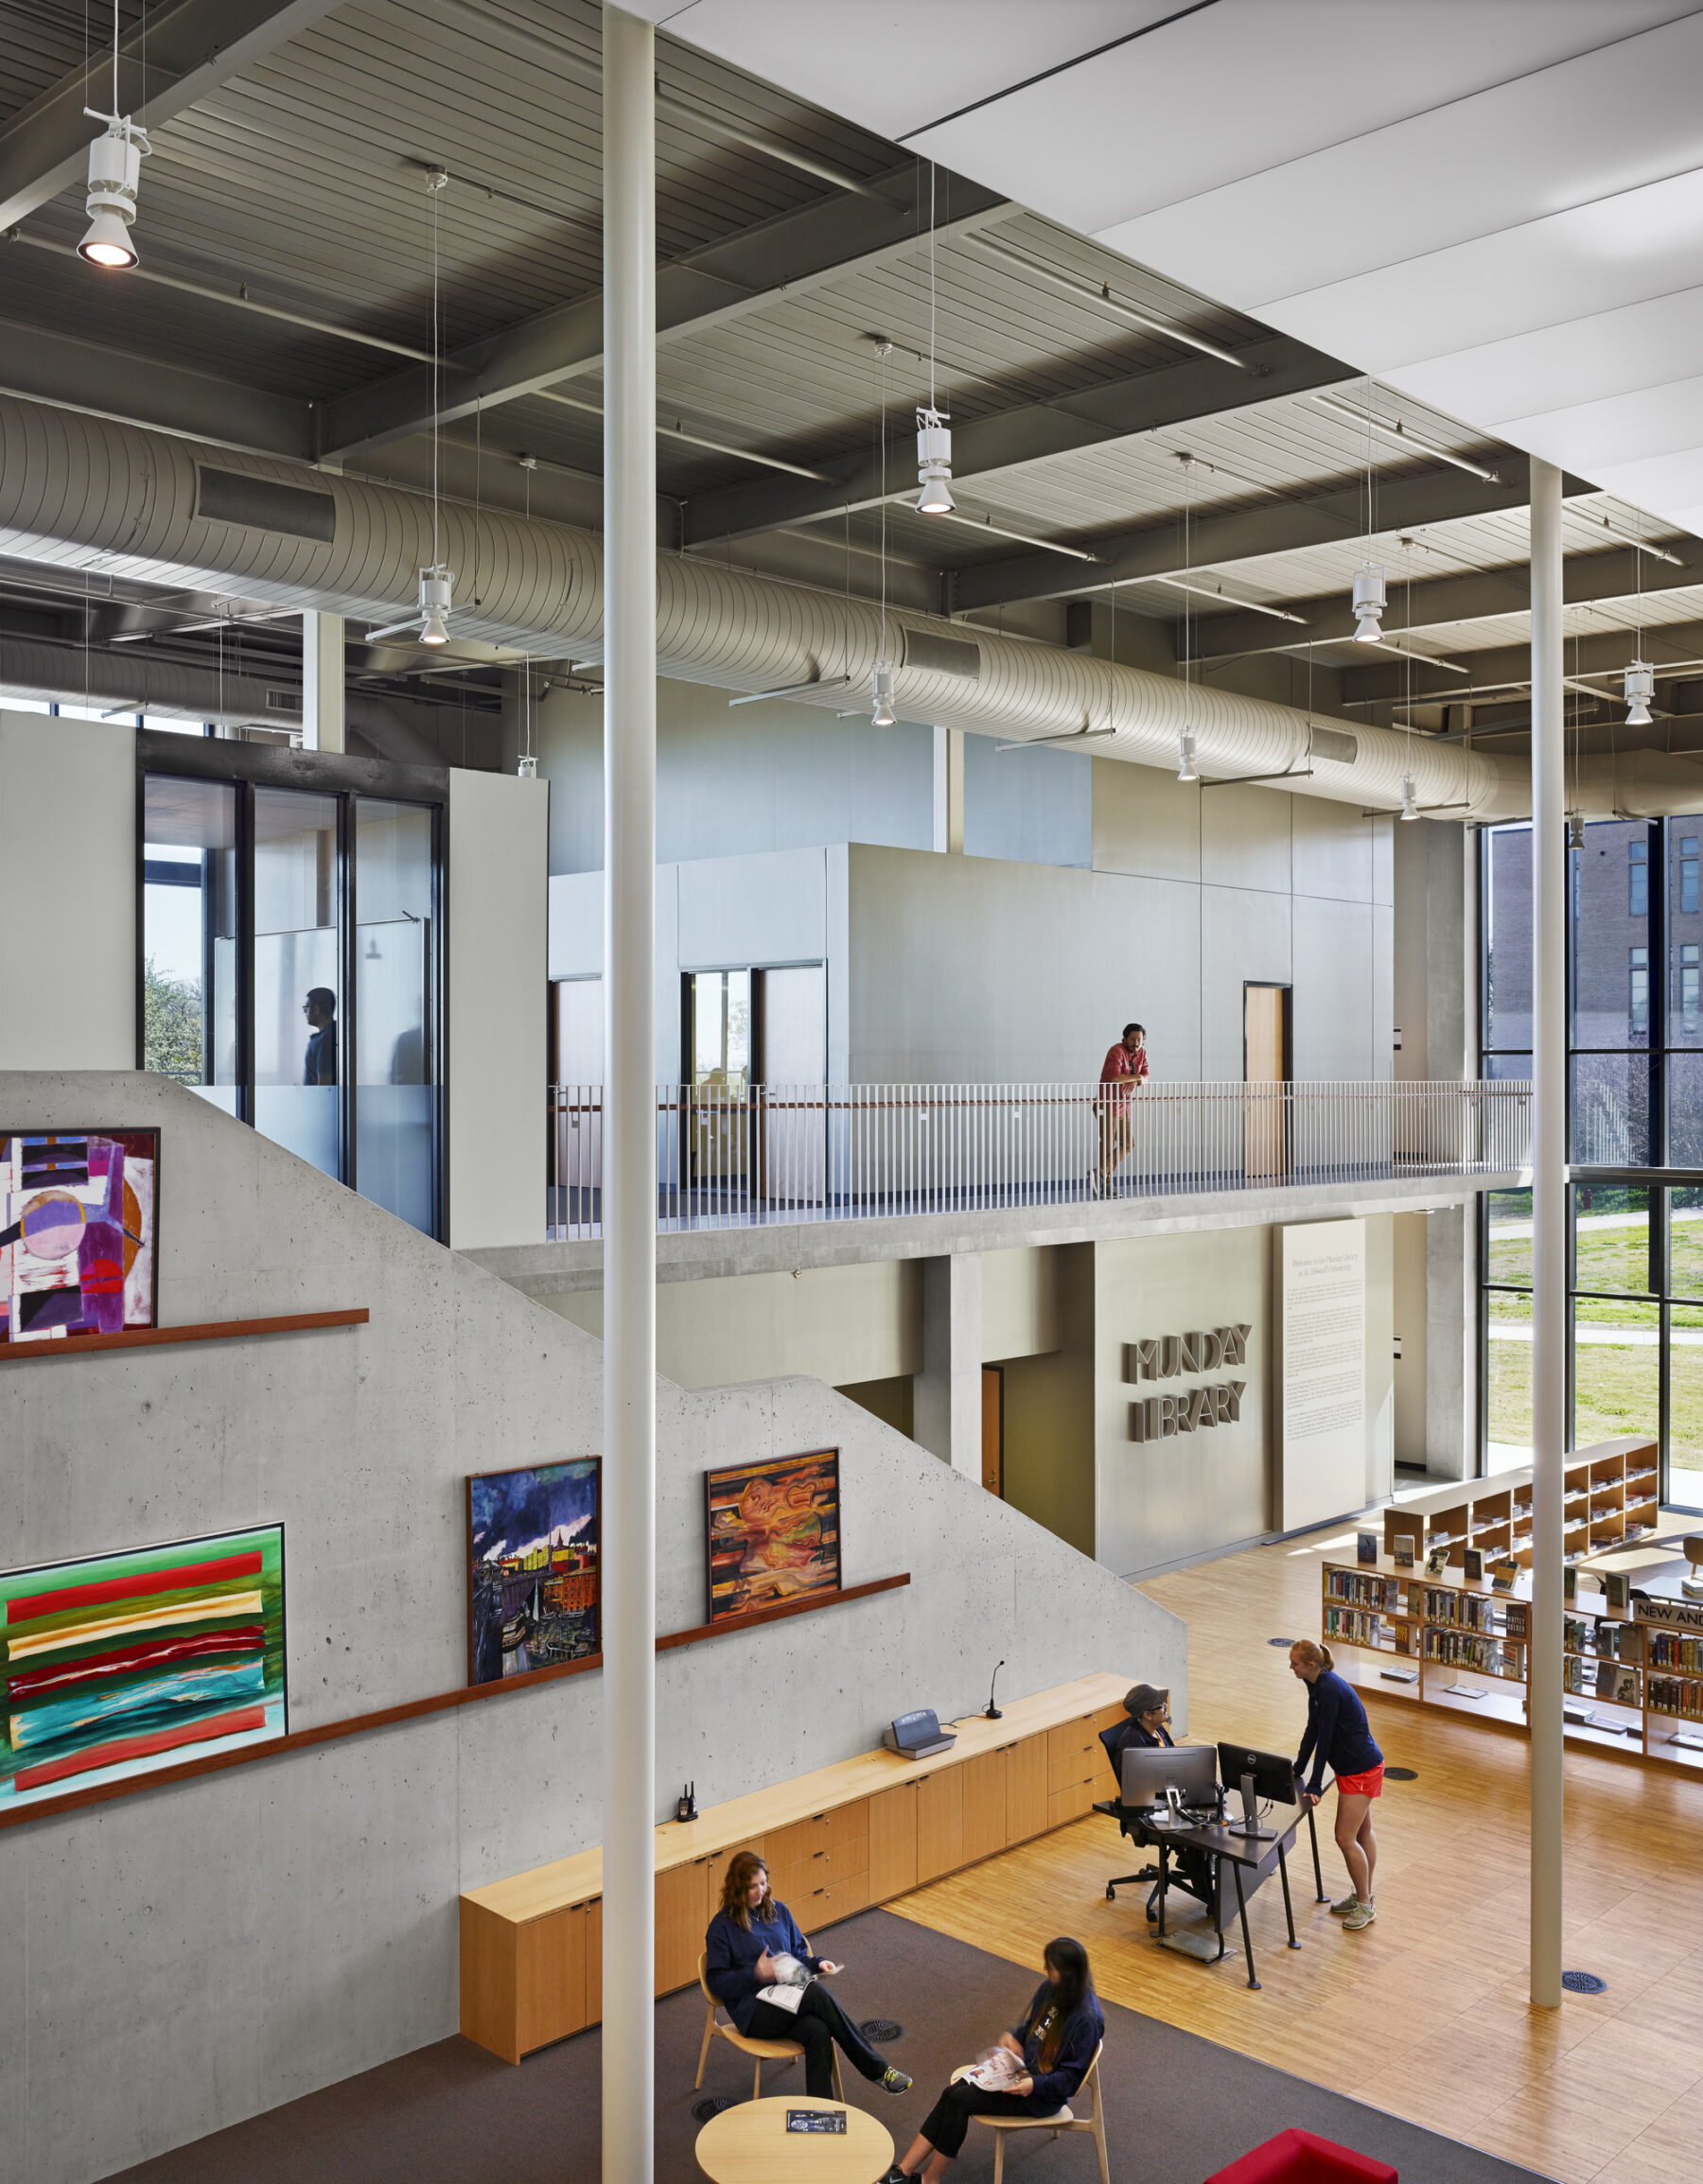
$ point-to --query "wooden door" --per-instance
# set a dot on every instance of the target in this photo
(983, 1818)
(792, 1063)
(1026, 1788)
(992, 1433)
(939, 1824)
(892, 1841)
(1266, 1072)
(682, 1915)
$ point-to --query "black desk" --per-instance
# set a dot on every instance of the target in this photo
(1258, 1856)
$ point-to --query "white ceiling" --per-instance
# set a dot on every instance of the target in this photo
(1496, 205)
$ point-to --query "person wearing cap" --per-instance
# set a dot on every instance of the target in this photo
(1148, 1709)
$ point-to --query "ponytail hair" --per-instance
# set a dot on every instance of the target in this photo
(1314, 1656)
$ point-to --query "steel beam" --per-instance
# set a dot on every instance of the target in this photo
(192, 47)
(1143, 402)
(827, 240)
(1247, 533)
(64, 373)
(1604, 653)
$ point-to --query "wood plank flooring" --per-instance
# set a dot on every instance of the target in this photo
(1425, 2014)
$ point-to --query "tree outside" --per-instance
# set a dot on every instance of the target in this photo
(171, 1025)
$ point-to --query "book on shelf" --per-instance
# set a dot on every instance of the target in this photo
(1463, 1691)
(1399, 1675)
(1436, 1562)
(1404, 1551)
(1472, 1565)
(1366, 1548)
(1625, 1686)
(1618, 1586)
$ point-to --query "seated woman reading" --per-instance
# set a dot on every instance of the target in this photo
(746, 1938)
(1037, 2066)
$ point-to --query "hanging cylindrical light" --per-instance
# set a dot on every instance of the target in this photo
(1641, 688)
(1186, 755)
(934, 463)
(883, 715)
(114, 171)
(1409, 803)
(1368, 603)
(436, 585)
(1575, 829)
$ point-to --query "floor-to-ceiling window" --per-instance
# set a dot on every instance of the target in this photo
(292, 953)
(1634, 1141)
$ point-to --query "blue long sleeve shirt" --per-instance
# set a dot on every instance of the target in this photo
(731, 1952)
(1084, 2029)
(1336, 1733)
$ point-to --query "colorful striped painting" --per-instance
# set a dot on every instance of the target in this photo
(123, 1663)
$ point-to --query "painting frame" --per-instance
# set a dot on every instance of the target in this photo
(221, 1565)
(470, 1561)
(764, 1589)
(11, 1341)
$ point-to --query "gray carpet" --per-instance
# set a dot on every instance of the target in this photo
(1177, 2108)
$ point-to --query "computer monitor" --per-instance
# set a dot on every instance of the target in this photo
(1150, 1772)
(1258, 1775)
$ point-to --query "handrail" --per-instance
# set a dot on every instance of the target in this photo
(737, 1155)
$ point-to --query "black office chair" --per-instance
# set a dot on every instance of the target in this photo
(1112, 1743)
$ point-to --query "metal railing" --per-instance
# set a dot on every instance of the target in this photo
(755, 1156)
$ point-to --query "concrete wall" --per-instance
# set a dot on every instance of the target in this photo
(1049, 1413)
(497, 1021)
(68, 893)
(190, 1955)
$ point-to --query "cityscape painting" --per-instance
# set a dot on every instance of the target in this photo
(77, 1232)
(774, 1531)
(532, 1568)
(116, 1664)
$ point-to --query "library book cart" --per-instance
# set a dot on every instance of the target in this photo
(1633, 1671)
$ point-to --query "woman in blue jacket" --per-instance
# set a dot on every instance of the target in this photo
(1056, 2042)
(1338, 1737)
(746, 1936)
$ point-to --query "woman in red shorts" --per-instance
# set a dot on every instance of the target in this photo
(1338, 1738)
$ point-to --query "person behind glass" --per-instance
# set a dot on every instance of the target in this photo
(1055, 2043)
(746, 1936)
(1148, 1729)
(1338, 1737)
(319, 1063)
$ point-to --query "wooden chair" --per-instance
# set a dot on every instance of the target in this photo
(1065, 2119)
(764, 2050)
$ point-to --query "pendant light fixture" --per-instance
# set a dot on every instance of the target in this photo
(1641, 676)
(437, 587)
(882, 714)
(1409, 798)
(934, 434)
(1186, 769)
(114, 173)
(1369, 596)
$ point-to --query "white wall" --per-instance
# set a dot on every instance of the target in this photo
(191, 1954)
(68, 893)
(498, 1037)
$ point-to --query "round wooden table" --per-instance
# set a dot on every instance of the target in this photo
(751, 2144)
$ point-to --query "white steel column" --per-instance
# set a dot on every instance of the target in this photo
(1549, 1231)
(321, 681)
(629, 1123)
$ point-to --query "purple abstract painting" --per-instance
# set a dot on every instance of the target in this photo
(77, 1232)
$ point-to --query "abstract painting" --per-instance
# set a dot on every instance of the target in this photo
(774, 1531)
(77, 1232)
(532, 1568)
(118, 1663)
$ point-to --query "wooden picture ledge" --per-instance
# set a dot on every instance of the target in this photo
(46, 1349)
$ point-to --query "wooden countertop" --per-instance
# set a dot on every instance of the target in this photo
(571, 1881)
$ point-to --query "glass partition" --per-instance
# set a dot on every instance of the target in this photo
(298, 981)
(396, 1094)
(189, 936)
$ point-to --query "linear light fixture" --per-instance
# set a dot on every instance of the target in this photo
(1425, 659)
(998, 530)
(1086, 291)
(1053, 743)
(792, 690)
(677, 432)
(1229, 598)
(1626, 539)
(1403, 437)
(1256, 781)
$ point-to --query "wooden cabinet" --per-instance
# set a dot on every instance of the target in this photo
(893, 1840)
(1026, 1788)
(682, 1913)
(833, 1899)
(1073, 1752)
(940, 1823)
(594, 1961)
(550, 1978)
(984, 1805)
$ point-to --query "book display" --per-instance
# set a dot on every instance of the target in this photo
(1632, 1668)
(1611, 1502)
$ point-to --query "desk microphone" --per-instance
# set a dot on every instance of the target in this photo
(991, 1712)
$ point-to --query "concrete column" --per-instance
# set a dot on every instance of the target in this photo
(321, 681)
(946, 1396)
(949, 791)
(1549, 1231)
(1451, 1342)
(629, 1139)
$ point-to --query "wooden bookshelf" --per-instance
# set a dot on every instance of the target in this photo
(1611, 1502)
(1444, 1640)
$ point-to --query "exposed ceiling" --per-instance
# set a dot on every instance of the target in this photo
(1106, 167)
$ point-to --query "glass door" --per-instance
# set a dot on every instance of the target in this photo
(719, 1013)
(299, 1060)
(396, 1011)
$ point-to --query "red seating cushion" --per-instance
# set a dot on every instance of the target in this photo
(1302, 2158)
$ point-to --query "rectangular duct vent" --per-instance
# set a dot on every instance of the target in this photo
(943, 656)
(1333, 743)
(283, 701)
(263, 504)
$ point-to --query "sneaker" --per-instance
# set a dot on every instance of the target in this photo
(1346, 1905)
(1361, 1916)
(892, 2081)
